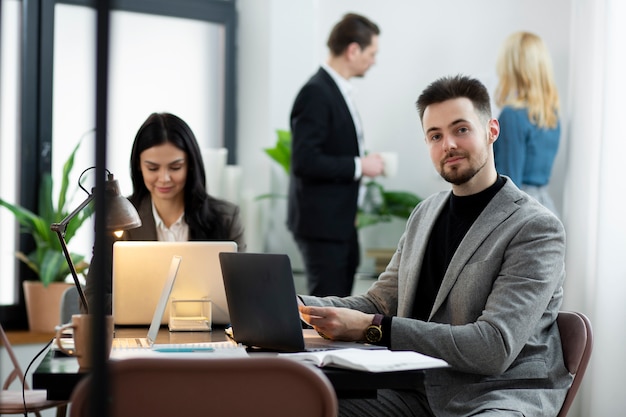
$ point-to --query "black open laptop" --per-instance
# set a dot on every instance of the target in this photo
(261, 299)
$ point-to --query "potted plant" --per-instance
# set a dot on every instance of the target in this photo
(47, 260)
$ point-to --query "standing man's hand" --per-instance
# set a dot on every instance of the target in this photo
(372, 165)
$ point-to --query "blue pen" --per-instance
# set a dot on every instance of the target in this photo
(183, 349)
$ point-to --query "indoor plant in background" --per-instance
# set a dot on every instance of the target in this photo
(47, 260)
(379, 205)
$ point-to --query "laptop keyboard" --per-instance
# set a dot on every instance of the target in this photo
(142, 343)
(130, 343)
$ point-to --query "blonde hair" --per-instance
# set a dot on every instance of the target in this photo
(526, 79)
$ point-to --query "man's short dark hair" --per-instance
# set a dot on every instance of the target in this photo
(447, 88)
(352, 28)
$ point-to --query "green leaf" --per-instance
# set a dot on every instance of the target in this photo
(65, 179)
(281, 152)
(400, 203)
(24, 216)
(269, 195)
(51, 266)
(45, 208)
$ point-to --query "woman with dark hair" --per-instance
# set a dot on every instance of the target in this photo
(169, 192)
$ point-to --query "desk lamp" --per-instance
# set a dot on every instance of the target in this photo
(120, 215)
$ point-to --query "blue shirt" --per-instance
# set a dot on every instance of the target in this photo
(525, 152)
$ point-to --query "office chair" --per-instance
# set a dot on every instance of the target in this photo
(69, 304)
(577, 340)
(11, 401)
(261, 386)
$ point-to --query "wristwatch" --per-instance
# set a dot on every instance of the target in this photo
(374, 332)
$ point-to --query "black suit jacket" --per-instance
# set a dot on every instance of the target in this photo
(322, 190)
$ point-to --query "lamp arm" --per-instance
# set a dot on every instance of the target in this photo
(68, 258)
(60, 228)
(62, 225)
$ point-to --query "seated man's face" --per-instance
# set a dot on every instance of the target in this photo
(460, 143)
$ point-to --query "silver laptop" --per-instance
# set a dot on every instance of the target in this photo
(138, 276)
(263, 306)
(149, 341)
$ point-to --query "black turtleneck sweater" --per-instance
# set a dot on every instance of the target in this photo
(456, 218)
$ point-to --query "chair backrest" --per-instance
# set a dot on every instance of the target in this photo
(70, 304)
(17, 371)
(577, 340)
(265, 386)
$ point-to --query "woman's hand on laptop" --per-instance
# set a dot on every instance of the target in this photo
(336, 323)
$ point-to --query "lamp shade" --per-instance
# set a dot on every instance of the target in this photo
(120, 213)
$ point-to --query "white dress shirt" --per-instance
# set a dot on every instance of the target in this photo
(177, 232)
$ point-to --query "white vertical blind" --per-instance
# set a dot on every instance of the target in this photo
(9, 134)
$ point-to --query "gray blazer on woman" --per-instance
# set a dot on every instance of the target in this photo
(494, 317)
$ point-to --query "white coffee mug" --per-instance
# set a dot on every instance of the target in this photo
(390, 160)
(82, 326)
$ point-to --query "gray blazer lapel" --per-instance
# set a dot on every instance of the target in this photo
(499, 209)
(147, 230)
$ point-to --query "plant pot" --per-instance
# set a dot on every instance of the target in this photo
(43, 305)
(381, 256)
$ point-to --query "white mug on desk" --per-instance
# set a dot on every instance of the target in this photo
(82, 326)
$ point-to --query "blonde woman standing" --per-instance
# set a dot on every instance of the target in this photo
(530, 129)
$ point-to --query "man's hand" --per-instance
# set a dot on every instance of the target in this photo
(372, 165)
(337, 323)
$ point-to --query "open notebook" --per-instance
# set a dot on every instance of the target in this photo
(149, 341)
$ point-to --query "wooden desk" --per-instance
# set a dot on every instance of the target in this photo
(25, 337)
(59, 375)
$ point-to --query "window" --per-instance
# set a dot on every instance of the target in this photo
(165, 55)
(10, 41)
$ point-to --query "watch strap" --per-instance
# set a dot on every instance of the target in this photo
(377, 320)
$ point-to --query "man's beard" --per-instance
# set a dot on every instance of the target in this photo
(457, 175)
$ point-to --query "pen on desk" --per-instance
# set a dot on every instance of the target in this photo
(183, 349)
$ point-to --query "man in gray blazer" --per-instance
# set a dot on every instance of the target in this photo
(476, 280)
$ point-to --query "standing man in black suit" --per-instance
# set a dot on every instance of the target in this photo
(328, 160)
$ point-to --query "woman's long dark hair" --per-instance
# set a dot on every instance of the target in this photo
(202, 212)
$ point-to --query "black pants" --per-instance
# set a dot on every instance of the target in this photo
(330, 265)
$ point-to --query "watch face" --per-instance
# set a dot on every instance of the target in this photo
(373, 334)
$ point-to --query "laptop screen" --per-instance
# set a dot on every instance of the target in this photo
(262, 300)
(139, 273)
(165, 295)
